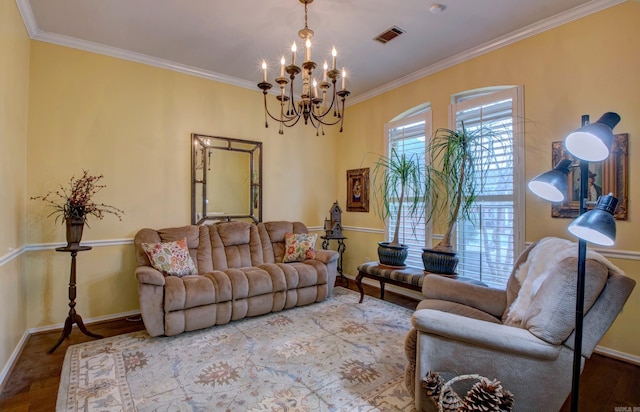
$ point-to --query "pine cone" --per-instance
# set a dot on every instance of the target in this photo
(451, 402)
(484, 396)
(506, 401)
(433, 384)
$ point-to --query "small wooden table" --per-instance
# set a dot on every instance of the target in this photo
(73, 317)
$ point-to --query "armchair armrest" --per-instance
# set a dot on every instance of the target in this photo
(149, 275)
(498, 337)
(326, 256)
(490, 300)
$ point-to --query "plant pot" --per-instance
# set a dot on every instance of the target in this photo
(74, 231)
(439, 262)
(392, 255)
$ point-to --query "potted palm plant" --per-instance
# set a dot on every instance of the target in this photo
(398, 182)
(457, 176)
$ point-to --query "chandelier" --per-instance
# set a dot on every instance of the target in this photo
(320, 103)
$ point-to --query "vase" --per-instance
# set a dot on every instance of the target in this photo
(74, 231)
(439, 262)
(392, 256)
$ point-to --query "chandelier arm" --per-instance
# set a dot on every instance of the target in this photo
(283, 119)
(329, 107)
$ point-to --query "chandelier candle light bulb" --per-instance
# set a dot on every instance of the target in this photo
(293, 54)
(282, 66)
(324, 76)
(264, 71)
(344, 78)
(307, 56)
(334, 54)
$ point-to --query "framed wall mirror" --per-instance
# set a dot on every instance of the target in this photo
(226, 179)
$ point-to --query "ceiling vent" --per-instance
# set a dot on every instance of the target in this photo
(389, 34)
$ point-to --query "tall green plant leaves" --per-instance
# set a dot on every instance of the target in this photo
(399, 179)
(458, 162)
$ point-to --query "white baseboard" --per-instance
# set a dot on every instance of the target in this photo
(6, 371)
(601, 350)
(614, 354)
(49, 328)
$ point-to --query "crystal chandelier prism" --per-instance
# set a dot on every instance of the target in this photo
(320, 103)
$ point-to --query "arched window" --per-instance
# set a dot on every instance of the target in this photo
(408, 133)
(488, 245)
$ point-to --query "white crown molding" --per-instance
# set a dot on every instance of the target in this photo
(27, 17)
(140, 58)
(577, 12)
(510, 38)
(36, 34)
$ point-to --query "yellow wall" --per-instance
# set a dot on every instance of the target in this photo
(589, 66)
(14, 89)
(132, 123)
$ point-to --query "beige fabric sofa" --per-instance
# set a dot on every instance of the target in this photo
(240, 274)
(462, 328)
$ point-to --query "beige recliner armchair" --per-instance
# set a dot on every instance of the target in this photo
(522, 336)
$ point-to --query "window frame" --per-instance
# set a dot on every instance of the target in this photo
(480, 97)
(421, 113)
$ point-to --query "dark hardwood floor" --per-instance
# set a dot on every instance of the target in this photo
(33, 384)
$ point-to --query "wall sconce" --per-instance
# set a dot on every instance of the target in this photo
(591, 143)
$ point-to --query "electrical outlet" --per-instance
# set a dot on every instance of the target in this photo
(367, 259)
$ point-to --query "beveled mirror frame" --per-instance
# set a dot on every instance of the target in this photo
(201, 149)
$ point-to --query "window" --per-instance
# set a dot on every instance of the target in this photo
(408, 135)
(488, 245)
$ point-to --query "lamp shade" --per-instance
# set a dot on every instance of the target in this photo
(552, 185)
(598, 225)
(592, 142)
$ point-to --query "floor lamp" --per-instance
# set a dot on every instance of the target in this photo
(591, 143)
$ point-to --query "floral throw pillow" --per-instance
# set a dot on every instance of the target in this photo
(298, 247)
(171, 258)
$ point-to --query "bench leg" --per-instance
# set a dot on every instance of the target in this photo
(359, 284)
(381, 290)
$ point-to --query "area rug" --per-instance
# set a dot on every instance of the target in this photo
(337, 355)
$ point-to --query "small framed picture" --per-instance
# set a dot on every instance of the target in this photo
(358, 190)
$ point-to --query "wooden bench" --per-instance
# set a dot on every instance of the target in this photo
(409, 277)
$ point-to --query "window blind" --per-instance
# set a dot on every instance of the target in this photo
(488, 244)
(409, 136)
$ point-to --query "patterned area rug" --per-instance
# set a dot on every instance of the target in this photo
(337, 355)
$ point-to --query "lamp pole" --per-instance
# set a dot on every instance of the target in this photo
(582, 260)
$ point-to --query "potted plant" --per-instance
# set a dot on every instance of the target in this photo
(73, 204)
(398, 181)
(453, 171)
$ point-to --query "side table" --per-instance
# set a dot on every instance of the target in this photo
(73, 317)
(341, 248)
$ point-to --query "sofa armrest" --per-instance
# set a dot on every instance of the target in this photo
(498, 337)
(149, 275)
(326, 256)
(489, 300)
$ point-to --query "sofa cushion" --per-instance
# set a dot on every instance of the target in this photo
(234, 244)
(170, 258)
(299, 247)
(458, 309)
(272, 237)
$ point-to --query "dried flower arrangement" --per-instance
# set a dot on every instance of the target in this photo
(76, 200)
